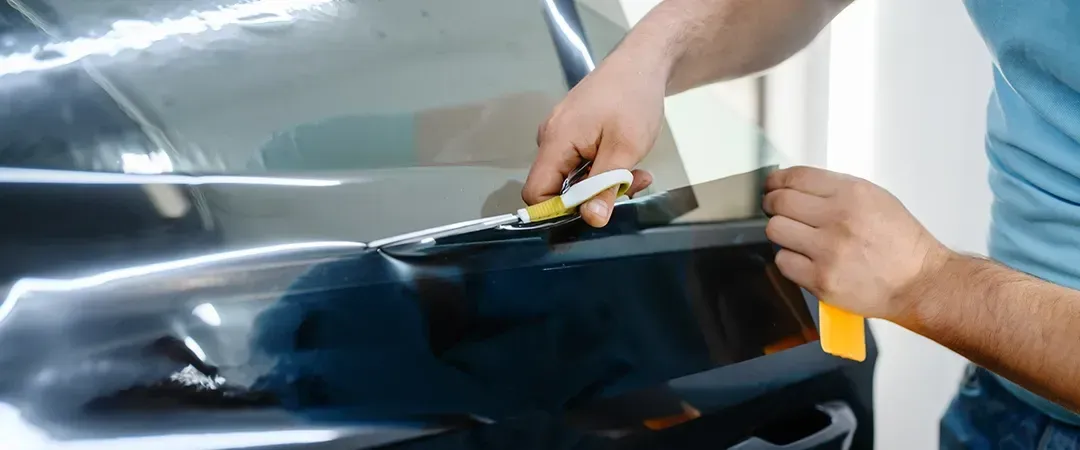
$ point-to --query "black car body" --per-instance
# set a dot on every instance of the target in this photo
(183, 261)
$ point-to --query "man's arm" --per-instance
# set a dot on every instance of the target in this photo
(855, 246)
(697, 42)
(613, 116)
(1016, 325)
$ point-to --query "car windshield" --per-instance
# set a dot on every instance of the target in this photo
(423, 111)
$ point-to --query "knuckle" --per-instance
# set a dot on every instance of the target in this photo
(843, 216)
(787, 177)
(784, 260)
(862, 189)
(533, 191)
(549, 127)
(559, 122)
(774, 178)
(829, 247)
(783, 200)
(850, 227)
(529, 195)
(800, 173)
(828, 277)
(826, 280)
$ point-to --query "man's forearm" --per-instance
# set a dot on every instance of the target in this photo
(696, 42)
(1016, 325)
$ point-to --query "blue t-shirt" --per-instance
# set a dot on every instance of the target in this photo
(1033, 143)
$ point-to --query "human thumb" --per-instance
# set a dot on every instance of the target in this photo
(597, 211)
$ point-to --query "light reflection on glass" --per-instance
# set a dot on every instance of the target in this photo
(208, 314)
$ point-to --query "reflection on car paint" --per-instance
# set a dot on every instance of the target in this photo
(163, 68)
(44, 176)
(134, 35)
(331, 333)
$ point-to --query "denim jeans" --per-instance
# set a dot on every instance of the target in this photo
(986, 416)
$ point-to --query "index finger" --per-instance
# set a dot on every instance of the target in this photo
(554, 162)
(809, 180)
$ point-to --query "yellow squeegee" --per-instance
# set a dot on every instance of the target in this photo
(842, 333)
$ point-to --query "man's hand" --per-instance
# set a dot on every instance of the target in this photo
(611, 118)
(849, 242)
(854, 245)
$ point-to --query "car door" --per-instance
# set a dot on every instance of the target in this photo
(193, 183)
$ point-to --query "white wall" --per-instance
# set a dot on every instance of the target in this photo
(930, 81)
(796, 105)
(715, 126)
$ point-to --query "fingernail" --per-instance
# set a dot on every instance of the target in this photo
(597, 207)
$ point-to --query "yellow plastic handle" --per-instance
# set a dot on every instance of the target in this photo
(842, 333)
(582, 192)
